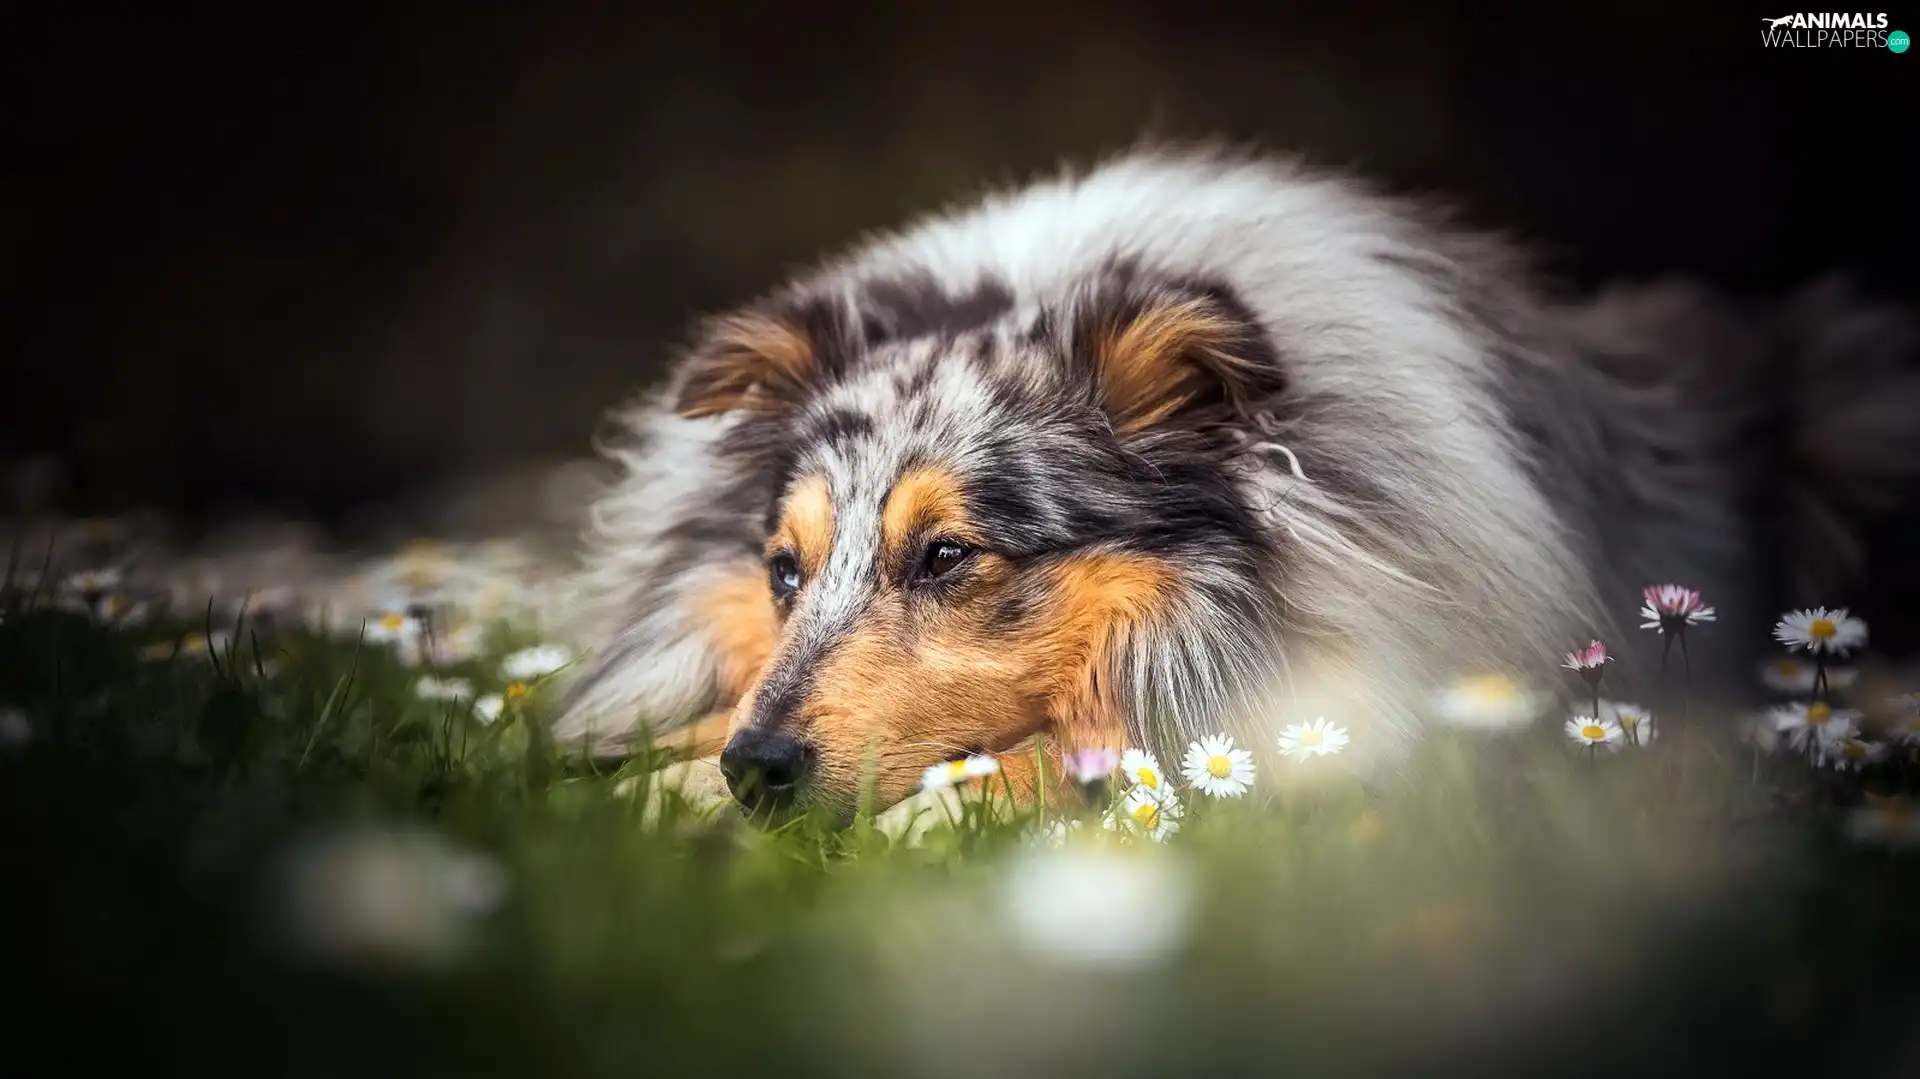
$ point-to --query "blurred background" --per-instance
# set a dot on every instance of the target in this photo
(291, 259)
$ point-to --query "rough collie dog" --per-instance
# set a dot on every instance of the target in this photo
(1198, 442)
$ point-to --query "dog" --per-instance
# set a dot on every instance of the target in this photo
(1200, 440)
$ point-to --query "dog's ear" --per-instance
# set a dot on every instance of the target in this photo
(1175, 357)
(764, 358)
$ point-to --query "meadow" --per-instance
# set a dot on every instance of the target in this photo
(268, 834)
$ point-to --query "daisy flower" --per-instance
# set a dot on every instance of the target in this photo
(536, 662)
(429, 688)
(1809, 727)
(1636, 723)
(392, 627)
(1592, 731)
(119, 610)
(1853, 754)
(93, 582)
(1821, 631)
(1316, 739)
(1217, 768)
(489, 707)
(1790, 674)
(1487, 702)
(952, 772)
(1142, 769)
(1906, 730)
(1671, 608)
(1588, 661)
(1893, 822)
(1089, 766)
(1155, 816)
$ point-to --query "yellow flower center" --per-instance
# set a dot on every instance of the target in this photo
(1822, 629)
(1593, 732)
(1488, 689)
(1787, 667)
(1149, 778)
(392, 622)
(1219, 766)
(1853, 750)
(1630, 722)
(1312, 736)
(1146, 815)
(956, 769)
(516, 690)
(1818, 713)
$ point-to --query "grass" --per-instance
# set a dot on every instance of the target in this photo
(1515, 905)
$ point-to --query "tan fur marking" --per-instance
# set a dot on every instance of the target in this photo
(740, 619)
(806, 524)
(750, 361)
(923, 500)
(1156, 364)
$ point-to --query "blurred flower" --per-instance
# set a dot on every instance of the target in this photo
(392, 627)
(15, 729)
(1908, 702)
(1761, 732)
(1893, 822)
(1154, 814)
(429, 688)
(92, 583)
(1316, 739)
(372, 896)
(1089, 766)
(1669, 608)
(488, 708)
(1819, 630)
(535, 662)
(1853, 754)
(1810, 727)
(1789, 674)
(1487, 702)
(1142, 769)
(120, 610)
(191, 645)
(1098, 906)
(1595, 731)
(1906, 729)
(1218, 769)
(1635, 723)
(456, 644)
(952, 772)
(1587, 661)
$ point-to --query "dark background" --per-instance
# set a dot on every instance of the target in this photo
(297, 259)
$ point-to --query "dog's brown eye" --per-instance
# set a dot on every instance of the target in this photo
(942, 556)
(783, 575)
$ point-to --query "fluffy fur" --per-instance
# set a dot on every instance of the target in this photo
(1230, 444)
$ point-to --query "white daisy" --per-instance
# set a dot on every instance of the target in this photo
(1893, 822)
(1636, 724)
(1316, 739)
(1811, 727)
(429, 688)
(1853, 754)
(952, 772)
(1155, 816)
(1217, 768)
(1790, 674)
(536, 662)
(1142, 769)
(486, 709)
(458, 643)
(392, 627)
(1819, 630)
(1595, 731)
(1487, 702)
(1669, 608)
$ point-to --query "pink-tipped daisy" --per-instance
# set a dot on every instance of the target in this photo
(1587, 660)
(1088, 766)
(1821, 631)
(1669, 608)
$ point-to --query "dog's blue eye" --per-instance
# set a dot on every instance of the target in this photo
(942, 556)
(783, 575)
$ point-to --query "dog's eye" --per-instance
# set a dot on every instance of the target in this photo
(783, 575)
(942, 557)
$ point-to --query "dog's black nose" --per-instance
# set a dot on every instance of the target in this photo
(765, 767)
